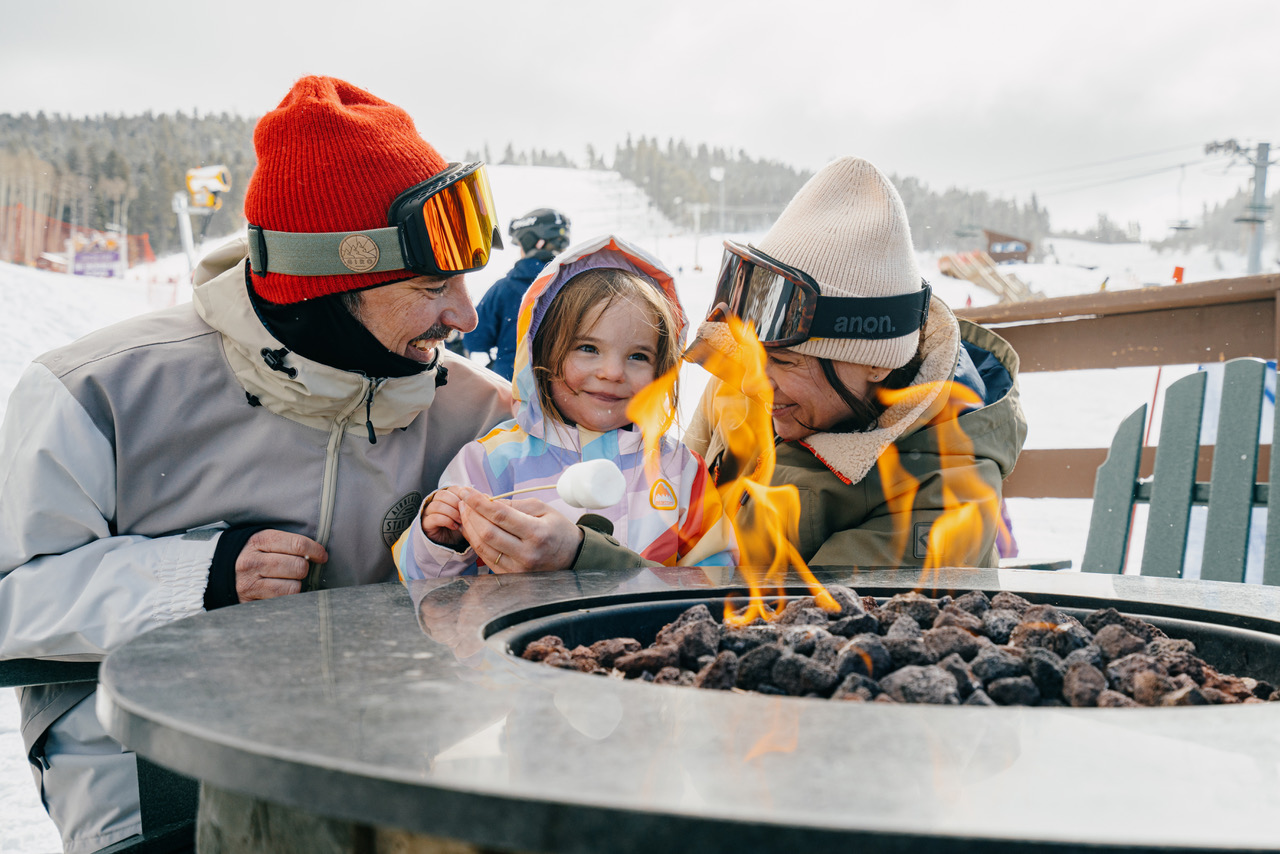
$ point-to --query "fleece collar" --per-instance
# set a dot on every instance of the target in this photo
(852, 455)
(304, 391)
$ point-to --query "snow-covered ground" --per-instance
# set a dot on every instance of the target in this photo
(40, 310)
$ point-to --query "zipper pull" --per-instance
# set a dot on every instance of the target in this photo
(368, 417)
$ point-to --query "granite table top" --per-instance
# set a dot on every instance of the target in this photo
(396, 707)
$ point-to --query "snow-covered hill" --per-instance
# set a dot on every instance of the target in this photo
(41, 310)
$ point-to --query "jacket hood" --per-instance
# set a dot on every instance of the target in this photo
(299, 389)
(607, 252)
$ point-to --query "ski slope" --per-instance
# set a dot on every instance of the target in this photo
(41, 310)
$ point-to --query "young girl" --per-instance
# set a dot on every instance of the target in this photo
(600, 323)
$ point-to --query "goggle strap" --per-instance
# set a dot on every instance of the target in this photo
(308, 254)
(872, 318)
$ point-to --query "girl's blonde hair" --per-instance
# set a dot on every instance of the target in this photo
(569, 309)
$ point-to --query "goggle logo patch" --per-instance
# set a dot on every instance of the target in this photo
(662, 496)
(358, 253)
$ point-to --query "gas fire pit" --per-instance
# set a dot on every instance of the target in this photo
(364, 718)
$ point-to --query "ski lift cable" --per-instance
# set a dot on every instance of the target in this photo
(1121, 179)
(1095, 164)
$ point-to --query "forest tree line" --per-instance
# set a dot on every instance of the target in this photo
(124, 170)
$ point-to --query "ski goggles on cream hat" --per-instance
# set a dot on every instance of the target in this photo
(786, 307)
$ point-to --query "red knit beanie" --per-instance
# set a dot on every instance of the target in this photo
(332, 157)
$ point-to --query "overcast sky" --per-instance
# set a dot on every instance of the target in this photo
(1010, 97)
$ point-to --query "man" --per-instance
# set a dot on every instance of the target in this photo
(541, 234)
(272, 437)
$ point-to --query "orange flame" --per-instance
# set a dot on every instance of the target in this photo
(767, 528)
(970, 506)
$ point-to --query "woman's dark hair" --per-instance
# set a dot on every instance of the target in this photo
(865, 414)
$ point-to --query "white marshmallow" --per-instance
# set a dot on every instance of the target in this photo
(593, 485)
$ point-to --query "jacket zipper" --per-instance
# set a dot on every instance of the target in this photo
(329, 487)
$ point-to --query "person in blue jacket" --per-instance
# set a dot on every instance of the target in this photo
(541, 234)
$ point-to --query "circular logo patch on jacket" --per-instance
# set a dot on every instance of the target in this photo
(358, 253)
(400, 517)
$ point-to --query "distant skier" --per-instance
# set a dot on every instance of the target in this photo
(540, 234)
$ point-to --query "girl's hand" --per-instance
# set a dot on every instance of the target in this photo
(518, 536)
(441, 519)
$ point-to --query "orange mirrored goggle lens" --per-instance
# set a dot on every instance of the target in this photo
(460, 221)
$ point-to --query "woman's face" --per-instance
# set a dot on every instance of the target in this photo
(804, 402)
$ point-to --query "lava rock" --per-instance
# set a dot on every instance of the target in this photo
(995, 663)
(607, 651)
(920, 608)
(798, 675)
(755, 667)
(1089, 654)
(1234, 686)
(999, 623)
(720, 675)
(915, 684)
(1114, 700)
(866, 655)
(1096, 620)
(1082, 683)
(652, 659)
(696, 614)
(538, 650)
(1189, 695)
(673, 676)
(827, 649)
(1170, 646)
(855, 686)
(1115, 641)
(966, 682)
(856, 624)
(904, 627)
(802, 638)
(694, 640)
(953, 616)
(947, 640)
(848, 600)
(909, 651)
(1006, 601)
(975, 602)
(741, 640)
(583, 659)
(802, 612)
(1122, 674)
(979, 698)
(1047, 670)
(1047, 627)
(1014, 691)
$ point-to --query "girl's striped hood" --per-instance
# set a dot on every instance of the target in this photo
(608, 252)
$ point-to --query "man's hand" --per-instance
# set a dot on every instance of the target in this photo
(518, 536)
(442, 519)
(274, 563)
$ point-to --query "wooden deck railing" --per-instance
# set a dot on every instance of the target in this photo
(1174, 325)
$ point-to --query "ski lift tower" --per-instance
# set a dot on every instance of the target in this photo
(205, 186)
(1255, 214)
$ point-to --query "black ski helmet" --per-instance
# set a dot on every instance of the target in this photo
(543, 224)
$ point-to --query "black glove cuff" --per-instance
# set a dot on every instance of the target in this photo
(220, 591)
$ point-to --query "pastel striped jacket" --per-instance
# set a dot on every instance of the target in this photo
(673, 518)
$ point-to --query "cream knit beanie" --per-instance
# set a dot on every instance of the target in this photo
(847, 229)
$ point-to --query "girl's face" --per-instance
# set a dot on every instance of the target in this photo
(804, 402)
(612, 358)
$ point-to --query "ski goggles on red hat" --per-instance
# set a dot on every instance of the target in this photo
(786, 306)
(445, 226)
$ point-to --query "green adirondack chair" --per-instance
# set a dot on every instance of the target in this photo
(168, 800)
(1231, 493)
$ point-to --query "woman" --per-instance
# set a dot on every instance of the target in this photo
(834, 292)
